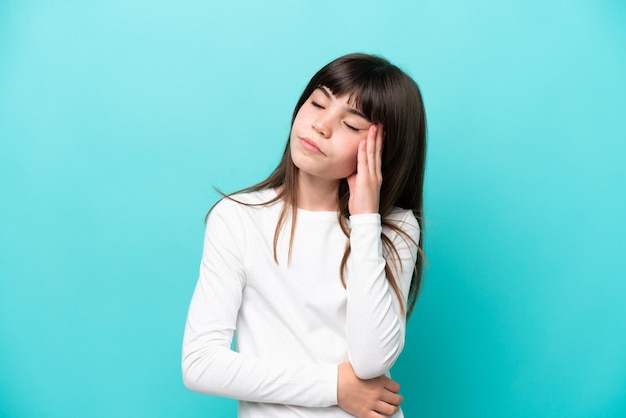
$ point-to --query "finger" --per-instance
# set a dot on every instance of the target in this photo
(385, 409)
(379, 151)
(391, 398)
(361, 166)
(391, 385)
(372, 134)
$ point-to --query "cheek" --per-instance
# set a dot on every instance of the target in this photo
(349, 161)
(300, 118)
(292, 151)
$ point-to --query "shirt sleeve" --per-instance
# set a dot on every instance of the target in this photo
(375, 324)
(209, 364)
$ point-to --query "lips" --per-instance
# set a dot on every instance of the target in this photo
(309, 145)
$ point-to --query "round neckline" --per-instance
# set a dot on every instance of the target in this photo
(311, 214)
(316, 214)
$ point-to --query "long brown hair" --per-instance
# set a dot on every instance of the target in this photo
(385, 94)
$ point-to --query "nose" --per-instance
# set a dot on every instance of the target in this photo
(321, 126)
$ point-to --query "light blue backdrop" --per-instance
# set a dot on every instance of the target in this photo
(118, 117)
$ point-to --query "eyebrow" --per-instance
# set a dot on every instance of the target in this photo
(348, 108)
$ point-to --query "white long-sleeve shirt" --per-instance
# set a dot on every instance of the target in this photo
(294, 321)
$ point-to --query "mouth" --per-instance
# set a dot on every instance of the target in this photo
(309, 145)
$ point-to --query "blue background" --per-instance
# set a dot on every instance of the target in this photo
(118, 117)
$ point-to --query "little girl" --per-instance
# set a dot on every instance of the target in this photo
(318, 266)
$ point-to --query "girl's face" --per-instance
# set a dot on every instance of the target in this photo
(325, 135)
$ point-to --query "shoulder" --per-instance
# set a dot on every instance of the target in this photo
(400, 217)
(243, 202)
(243, 211)
(405, 220)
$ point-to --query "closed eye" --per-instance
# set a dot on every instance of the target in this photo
(315, 104)
(352, 127)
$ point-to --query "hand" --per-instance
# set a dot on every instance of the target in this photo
(365, 182)
(372, 398)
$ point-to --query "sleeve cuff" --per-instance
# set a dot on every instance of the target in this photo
(365, 219)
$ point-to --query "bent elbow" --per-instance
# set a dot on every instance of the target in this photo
(369, 364)
(369, 370)
(194, 373)
(203, 367)
(190, 378)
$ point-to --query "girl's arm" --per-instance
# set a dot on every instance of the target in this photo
(375, 324)
(208, 363)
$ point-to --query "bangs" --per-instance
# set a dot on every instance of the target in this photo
(364, 93)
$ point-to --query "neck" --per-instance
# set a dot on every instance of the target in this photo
(316, 194)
